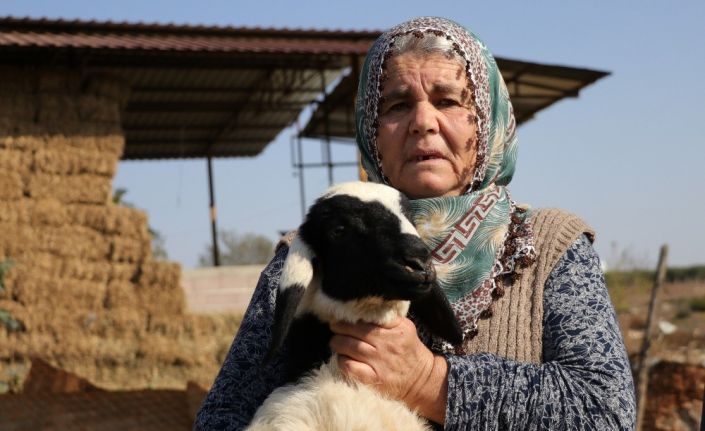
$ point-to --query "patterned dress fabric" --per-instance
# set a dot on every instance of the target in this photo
(478, 236)
(584, 382)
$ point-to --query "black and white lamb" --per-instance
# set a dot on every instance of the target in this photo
(356, 257)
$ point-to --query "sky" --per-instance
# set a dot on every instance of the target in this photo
(627, 155)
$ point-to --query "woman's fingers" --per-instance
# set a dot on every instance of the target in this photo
(360, 329)
(355, 348)
(358, 371)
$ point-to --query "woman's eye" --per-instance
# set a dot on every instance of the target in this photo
(396, 107)
(444, 103)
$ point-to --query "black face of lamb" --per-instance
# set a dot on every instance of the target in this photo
(361, 251)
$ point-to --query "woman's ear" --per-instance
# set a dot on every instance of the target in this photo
(295, 278)
(435, 312)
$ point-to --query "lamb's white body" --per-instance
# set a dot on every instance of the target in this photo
(326, 401)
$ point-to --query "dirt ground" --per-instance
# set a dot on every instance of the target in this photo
(679, 322)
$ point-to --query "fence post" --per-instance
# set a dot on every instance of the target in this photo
(642, 367)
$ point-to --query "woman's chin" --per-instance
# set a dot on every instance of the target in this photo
(430, 188)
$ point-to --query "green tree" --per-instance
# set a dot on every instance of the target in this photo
(239, 249)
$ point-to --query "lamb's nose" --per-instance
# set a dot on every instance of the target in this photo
(415, 264)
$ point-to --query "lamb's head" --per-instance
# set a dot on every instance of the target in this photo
(358, 257)
(365, 245)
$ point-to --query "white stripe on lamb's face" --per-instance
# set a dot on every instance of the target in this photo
(387, 196)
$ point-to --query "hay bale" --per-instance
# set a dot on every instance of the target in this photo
(35, 212)
(106, 139)
(73, 242)
(111, 219)
(84, 188)
(17, 239)
(49, 212)
(159, 273)
(128, 250)
(74, 161)
(15, 160)
(38, 289)
(121, 294)
(122, 271)
(52, 265)
(14, 212)
(162, 301)
(11, 185)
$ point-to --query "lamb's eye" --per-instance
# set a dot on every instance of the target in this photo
(337, 231)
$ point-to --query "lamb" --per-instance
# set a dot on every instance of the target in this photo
(356, 257)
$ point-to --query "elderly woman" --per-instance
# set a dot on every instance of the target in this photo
(542, 348)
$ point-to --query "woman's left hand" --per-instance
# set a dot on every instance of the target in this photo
(393, 359)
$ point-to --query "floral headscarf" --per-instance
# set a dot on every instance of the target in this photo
(481, 236)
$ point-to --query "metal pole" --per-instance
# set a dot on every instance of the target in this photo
(213, 214)
(302, 187)
(326, 129)
(642, 370)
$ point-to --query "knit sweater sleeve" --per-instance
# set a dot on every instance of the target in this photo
(243, 381)
(584, 381)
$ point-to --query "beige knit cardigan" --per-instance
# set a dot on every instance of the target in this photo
(515, 329)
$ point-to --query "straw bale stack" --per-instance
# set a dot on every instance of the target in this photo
(84, 285)
(38, 289)
(72, 242)
(111, 219)
(86, 188)
(123, 249)
(73, 161)
(121, 294)
(16, 239)
(102, 139)
(165, 301)
(159, 273)
(14, 212)
(11, 185)
(122, 272)
(52, 265)
(15, 161)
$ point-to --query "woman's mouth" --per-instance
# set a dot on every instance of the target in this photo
(425, 156)
(422, 158)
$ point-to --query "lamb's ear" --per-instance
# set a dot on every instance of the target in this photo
(297, 274)
(435, 312)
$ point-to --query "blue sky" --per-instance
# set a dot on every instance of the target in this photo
(627, 155)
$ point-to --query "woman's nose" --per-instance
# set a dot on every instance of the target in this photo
(423, 119)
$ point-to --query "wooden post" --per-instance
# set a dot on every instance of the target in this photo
(213, 214)
(642, 367)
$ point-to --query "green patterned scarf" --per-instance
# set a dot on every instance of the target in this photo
(480, 236)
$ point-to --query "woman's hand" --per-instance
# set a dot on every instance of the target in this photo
(393, 359)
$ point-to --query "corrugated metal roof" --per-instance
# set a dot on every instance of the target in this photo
(196, 91)
(27, 32)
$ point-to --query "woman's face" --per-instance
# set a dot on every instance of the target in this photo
(427, 138)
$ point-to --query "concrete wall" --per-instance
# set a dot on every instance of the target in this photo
(222, 289)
